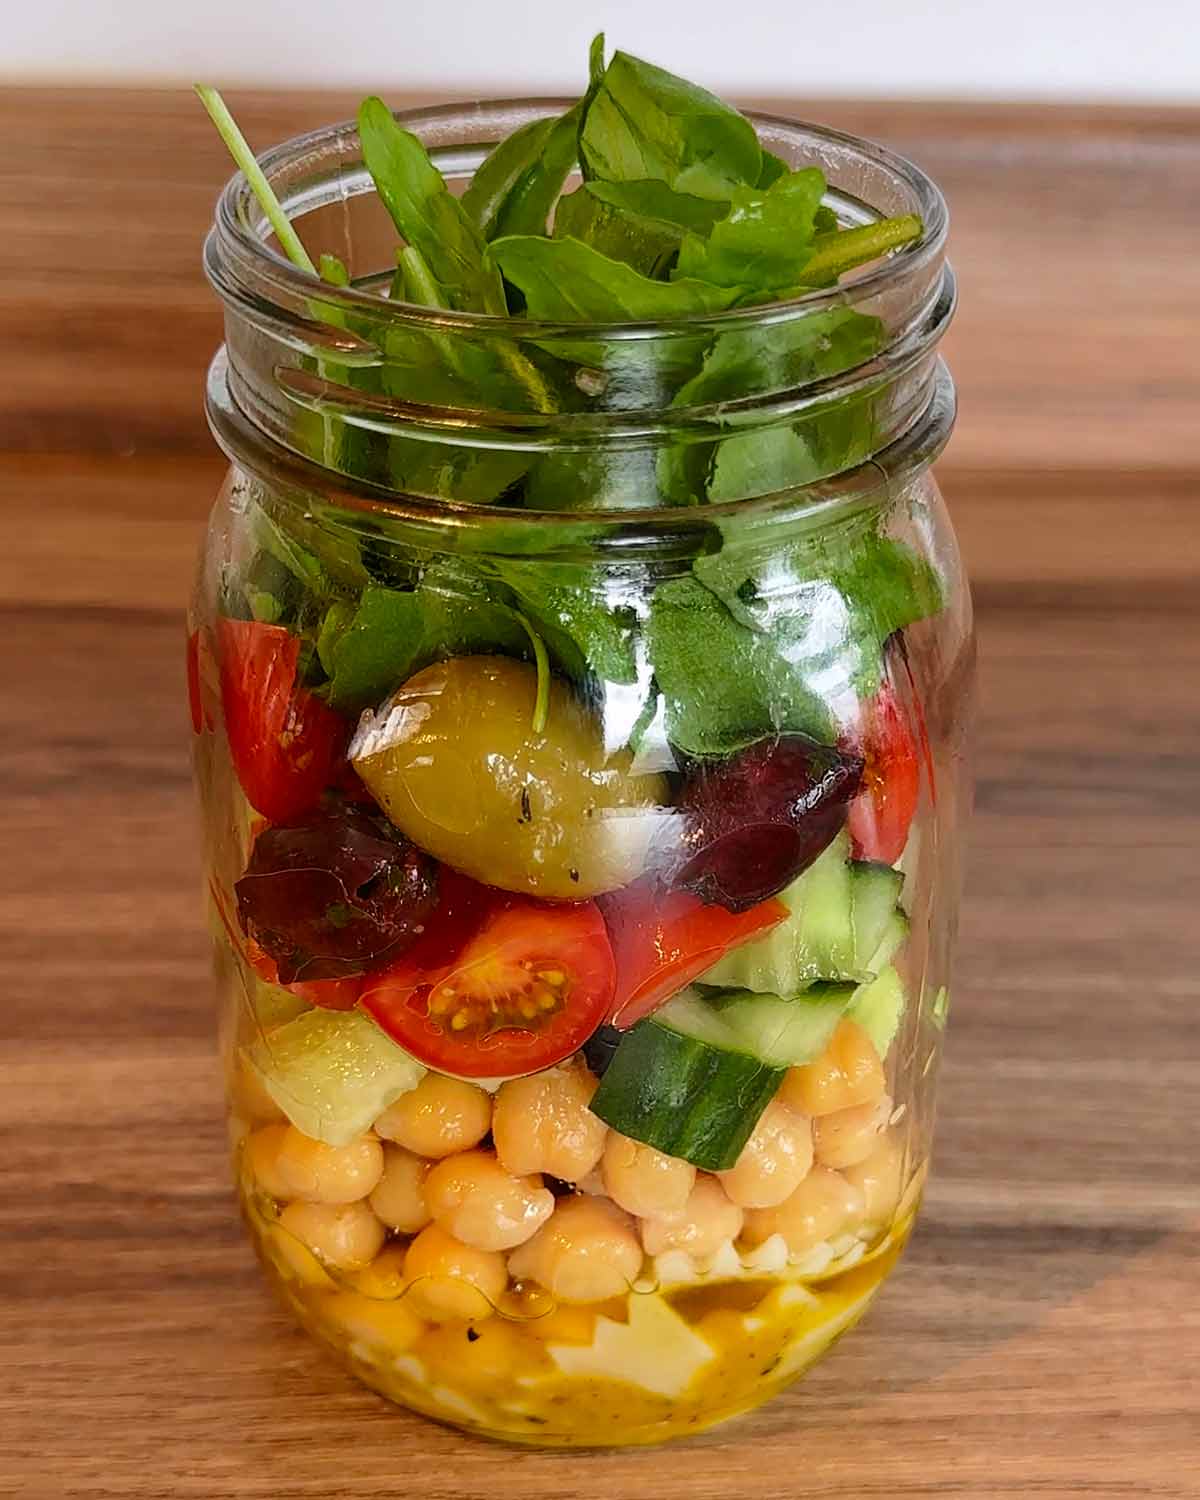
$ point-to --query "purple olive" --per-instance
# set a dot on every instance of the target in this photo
(751, 824)
(331, 894)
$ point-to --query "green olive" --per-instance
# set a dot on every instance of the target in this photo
(453, 760)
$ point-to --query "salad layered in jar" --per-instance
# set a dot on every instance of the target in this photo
(574, 905)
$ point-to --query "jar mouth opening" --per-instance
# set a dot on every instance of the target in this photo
(315, 170)
(650, 533)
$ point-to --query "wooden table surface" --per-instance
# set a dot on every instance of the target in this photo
(1042, 1336)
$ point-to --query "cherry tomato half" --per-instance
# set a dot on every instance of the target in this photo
(662, 940)
(526, 988)
(881, 814)
(285, 743)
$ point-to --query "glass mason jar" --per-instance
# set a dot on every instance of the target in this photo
(580, 718)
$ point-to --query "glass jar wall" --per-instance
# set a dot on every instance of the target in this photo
(582, 773)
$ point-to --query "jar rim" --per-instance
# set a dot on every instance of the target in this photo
(653, 533)
(237, 251)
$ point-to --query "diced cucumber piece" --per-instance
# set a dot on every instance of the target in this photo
(874, 894)
(273, 1005)
(691, 1013)
(878, 1007)
(784, 1033)
(816, 941)
(333, 1072)
(688, 1097)
(892, 939)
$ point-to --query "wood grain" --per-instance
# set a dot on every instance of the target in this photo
(1041, 1337)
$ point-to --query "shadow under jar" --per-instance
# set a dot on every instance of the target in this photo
(580, 718)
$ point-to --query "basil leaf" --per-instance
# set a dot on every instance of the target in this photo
(763, 242)
(426, 212)
(828, 604)
(517, 186)
(724, 685)
(566, 280)
(655, 200)
(773, 168)
(580, 626)
(394, 634)
(774, 357)
(647, 245)
(610, 478)
(645, 122)
(322, 558)
(507, 165)
(640, 223)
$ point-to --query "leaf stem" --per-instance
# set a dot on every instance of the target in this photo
(834, 254)
(227, 129)
(541, 703)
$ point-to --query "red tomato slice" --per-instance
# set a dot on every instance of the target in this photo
(199, 661)
(662, 940)
(193, 681)
(285, 743)
(329, 994)
(526, 988)
(881, 814)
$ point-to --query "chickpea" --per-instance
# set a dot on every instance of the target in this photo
(383, 1280)
(399, 1195)
(294, 1260)
(473, 1197)
(848, 1072)
(645, 1181)
(543, 1124)
(448, 1279)
(701, 1227)
(262, 1160)
(343, 1235)
(774, 1161)
(879, 1179)
(586, 1252)
(823, 1205)
(439, 1117)
(849, 1136)
(328, 1174)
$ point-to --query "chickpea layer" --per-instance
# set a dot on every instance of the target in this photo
(477, 1201)
(847, 1073)
(644, 1181)
(399, 1196)
(705, 1222)
(448, 1279)
(318, 1173)
(543, 1124)
(587, 1252)
(774, 1161)
(439, 1117)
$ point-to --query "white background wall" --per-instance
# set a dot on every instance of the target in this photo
(1112, 49)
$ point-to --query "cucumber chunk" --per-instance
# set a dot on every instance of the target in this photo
(784, 1033)
(692, 1097)
(874, 894)
(332, 1072)
(892, 939)
(816, 941)
(878, 1007)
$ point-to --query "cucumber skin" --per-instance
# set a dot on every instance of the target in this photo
(683, 1096)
